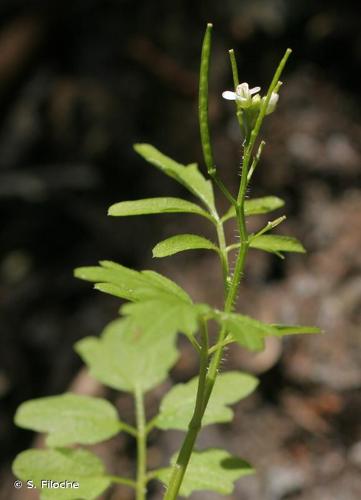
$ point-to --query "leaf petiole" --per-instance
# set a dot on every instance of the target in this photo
(123, 480)
(213, 349)
(255, 161)
(129, 429)
(268, 227)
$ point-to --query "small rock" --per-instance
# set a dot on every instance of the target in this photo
(354, 454)
(282, 481)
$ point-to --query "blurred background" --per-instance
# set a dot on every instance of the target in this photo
(80, 82)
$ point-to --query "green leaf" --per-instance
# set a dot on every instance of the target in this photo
(246, 331)
(69, 419)
(166, 285)
(189, 176)
(177, 406)
(155, 206)
(165, 315)
(276, 244)
(180, 243)
(126, 283)
(211, 470)
(76, 465)
(295, 329)
(257, 206)
(127, 358)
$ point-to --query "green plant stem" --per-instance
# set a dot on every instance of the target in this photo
(241, 219)
(255, 160)
(123, 480)
(231, 296)
(195, 423)
(236, 83)
(234, 68)
(262, 113)
(207, 380)
(223, 253)
(141, 446)
(194, 343)
(129, 429)
(153, 474)
(222, 187)
(214, 347)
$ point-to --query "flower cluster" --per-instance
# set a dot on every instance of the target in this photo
(250, 98)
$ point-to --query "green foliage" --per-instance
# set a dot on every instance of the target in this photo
(155, 206)
(70, 419)
(125, 283)
(246, 331)
(276, 244)
(136, 352)
(126, 358)
(165, 315)
(295, 330)
(256, 206)
(189, 176)
(77, 465)
(177, 406)
(182, 242)
(211, 470)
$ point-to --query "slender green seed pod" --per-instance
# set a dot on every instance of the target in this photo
(203, 101)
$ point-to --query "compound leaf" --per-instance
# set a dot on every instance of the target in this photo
(180, 243)
(257, 206)
(189, 176)
(74, 465)
(70, 419)
(277, 244)
(155, 206)
(177, 406)
(212, 470)
(126, 357)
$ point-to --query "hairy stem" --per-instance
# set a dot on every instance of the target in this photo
(195, 423)
(223, 253)
(141, 446)
(207, 377)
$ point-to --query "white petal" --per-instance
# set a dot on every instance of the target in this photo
(272, 103)
(242, 90)
(230, 96)
(274, 99)
(255, 90)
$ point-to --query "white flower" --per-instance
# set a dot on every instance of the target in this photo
(272, 103)
(243, 94)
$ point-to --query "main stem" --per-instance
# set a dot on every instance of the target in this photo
(205, 387)
(141, 446)
(195, 423)
(206, 380)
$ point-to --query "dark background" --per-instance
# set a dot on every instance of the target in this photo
(80, 82)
